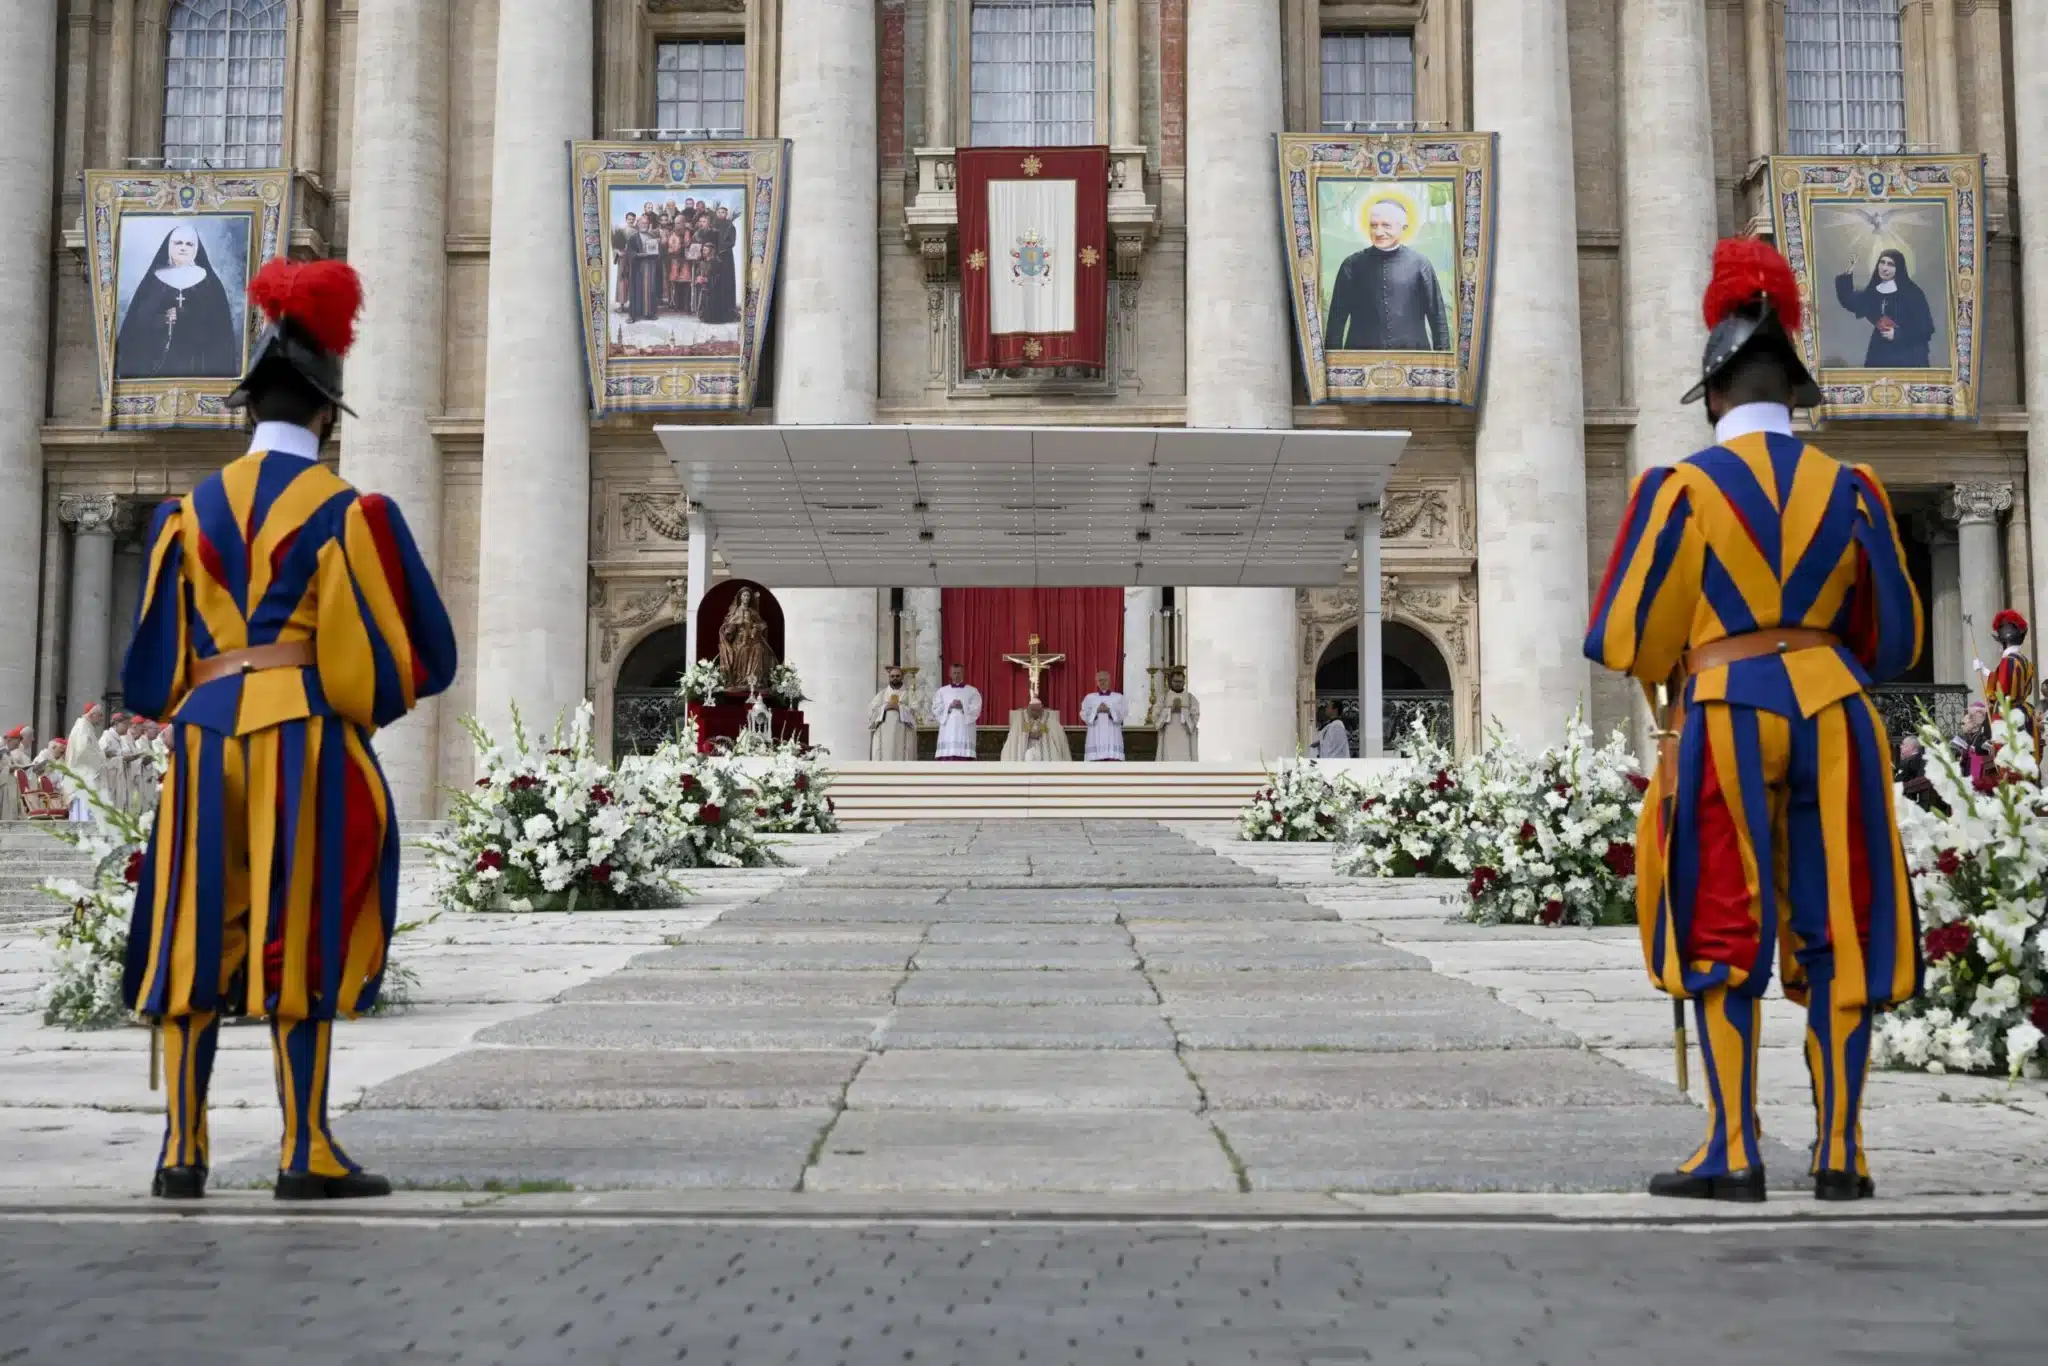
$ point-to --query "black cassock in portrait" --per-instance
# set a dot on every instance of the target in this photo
(199, 343)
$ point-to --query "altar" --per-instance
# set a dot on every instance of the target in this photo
(1141, 743)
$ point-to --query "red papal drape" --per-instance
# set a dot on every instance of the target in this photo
(981, 625)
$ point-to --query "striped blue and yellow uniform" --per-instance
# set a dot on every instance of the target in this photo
(1780, 839)
(270, 885)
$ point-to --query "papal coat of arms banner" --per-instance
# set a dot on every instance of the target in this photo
(1889, 253)
(677, 247)
(1390, 263)
(1034, 256)
(170, 255)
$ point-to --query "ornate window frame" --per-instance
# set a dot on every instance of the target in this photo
(963, 70)
(633, 29)
(1442, 59)
(305, 83)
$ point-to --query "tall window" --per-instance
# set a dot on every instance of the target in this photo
(224, 84)
(1368, 79)
(1845, 76)
(1031, 77)
(701, 87)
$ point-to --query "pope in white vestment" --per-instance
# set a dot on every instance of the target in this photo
(1103, 712)
(82, 753)
(957, 708)
(1036, 737)
(892, 724)
(1180, 721)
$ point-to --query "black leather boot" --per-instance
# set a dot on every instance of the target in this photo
(307, 1186)
(178, 1183)
(1743, 1187)
(1842, 1186)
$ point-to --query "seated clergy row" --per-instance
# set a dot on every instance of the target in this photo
(1036, 735)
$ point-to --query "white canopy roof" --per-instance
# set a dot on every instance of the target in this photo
(960, 506)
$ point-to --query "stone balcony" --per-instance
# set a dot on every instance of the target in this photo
(312, 231)
(931, 219)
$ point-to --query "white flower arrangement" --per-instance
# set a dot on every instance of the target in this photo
(703, 682)
(1302, 802)
(1979, 867)
(698, 807)
(1545, 839)
(785, 686)
(792, 792)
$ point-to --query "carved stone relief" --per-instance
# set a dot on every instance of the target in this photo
(1444, 610)
(621, 608)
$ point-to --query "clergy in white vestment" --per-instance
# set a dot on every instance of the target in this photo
(1103, 712)
(1180, 720)
(114, 763)
(957, 707)
(82, 753)
(1333, 741)
(14, 762)
(1036, 737)
(892, 723)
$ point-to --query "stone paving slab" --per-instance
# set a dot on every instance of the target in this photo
(1007, 932)
(810, 936)
(1022, 1079)
(1522, 1149)
(1269, 955)
(770, 957)
(1025, 957)
(522, 1079)
(1025, 1027)
(709, 988)
(1371, 1082)
(841, 914)
(1160, 932)
(1470, 1025)
(987, 988)
(646, 1149)
(1109, 1151)
(630, 1027)
(1257, 988)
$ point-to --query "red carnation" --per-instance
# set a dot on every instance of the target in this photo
(489, 859)
(1639, 782)
(1482, 878)
(709, 813)
(1369, 803)
(1526, 833)
(1949, 862)
(563, 753)
(1946, 941)
(1986, 780)
(132, 874)
(601, 795)
(1562, 789)
(2038, 1013)
(689, 784)
(788, 807)
(760, 813)
(1553, 911)
(523, 782)
(1620, 859)
(803, 782)
(1443, 781)
(601, 874)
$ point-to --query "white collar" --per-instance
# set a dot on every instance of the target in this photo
(1887, 286)
(1745, 418)
(285, 438)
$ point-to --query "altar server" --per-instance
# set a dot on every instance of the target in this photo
(1103, 712)
(1765, 586)
(284, 618)
(957, 707)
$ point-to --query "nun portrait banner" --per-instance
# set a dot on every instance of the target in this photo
(1889, 254)
(1389, 240)
(170, 255)
(677, 245)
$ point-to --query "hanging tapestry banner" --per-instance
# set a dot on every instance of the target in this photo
(1889, 253)
(1034, 256)
(1389, 240)
(678, 245)
(169, 255)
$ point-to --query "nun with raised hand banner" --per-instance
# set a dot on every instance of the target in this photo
(179, 324)
(1901, 323)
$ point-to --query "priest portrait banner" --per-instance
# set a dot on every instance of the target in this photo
(1034, 256)
(678, 245)
(169, 257)
(1889, 252)
(1389, 240)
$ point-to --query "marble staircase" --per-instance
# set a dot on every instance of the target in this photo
(29, 853)
(869, 792)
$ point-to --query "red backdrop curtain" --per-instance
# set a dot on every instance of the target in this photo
(981, 625)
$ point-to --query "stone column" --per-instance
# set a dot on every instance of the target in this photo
(1944, 608)
(28, 113)
(311, 89)
(1979, 572)
(534, 538)
(1243, 643)
(1124, 93)
(924, 607)
(91, 519)
(1945, 116)
(2029, 38)
(129, 559)
(938, 73)
(398, 223)
(1530, 457)
(826, 349)
(1141, 612)
(120, 85)
(1759, 57)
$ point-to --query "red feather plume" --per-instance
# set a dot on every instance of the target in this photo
(322, 297)
(1747, 269)
(2008, 618)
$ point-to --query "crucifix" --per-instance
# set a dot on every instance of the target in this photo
(1034, 665)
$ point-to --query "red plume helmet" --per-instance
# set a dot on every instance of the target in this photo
(321, 297)
(1747, 269)
(2009, 618)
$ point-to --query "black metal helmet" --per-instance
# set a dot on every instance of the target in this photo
(312, 309)
(1752, 305)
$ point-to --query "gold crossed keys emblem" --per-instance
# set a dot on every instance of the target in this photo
(1034, 665)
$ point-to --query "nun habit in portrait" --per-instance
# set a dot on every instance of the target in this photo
(179, 325)
(1891, 302)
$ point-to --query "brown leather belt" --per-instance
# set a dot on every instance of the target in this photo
(289, 654)
(1715, 654)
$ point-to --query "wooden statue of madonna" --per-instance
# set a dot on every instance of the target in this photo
(745, 656)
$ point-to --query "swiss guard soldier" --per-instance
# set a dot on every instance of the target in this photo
(2011, 681)
(1763, 584)
(284, 618)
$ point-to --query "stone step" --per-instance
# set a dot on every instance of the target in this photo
(870, 792)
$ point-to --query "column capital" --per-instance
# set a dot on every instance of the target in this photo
(89, 514)
(1977, 501)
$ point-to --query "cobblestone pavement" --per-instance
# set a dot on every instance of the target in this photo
(747, 1295)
